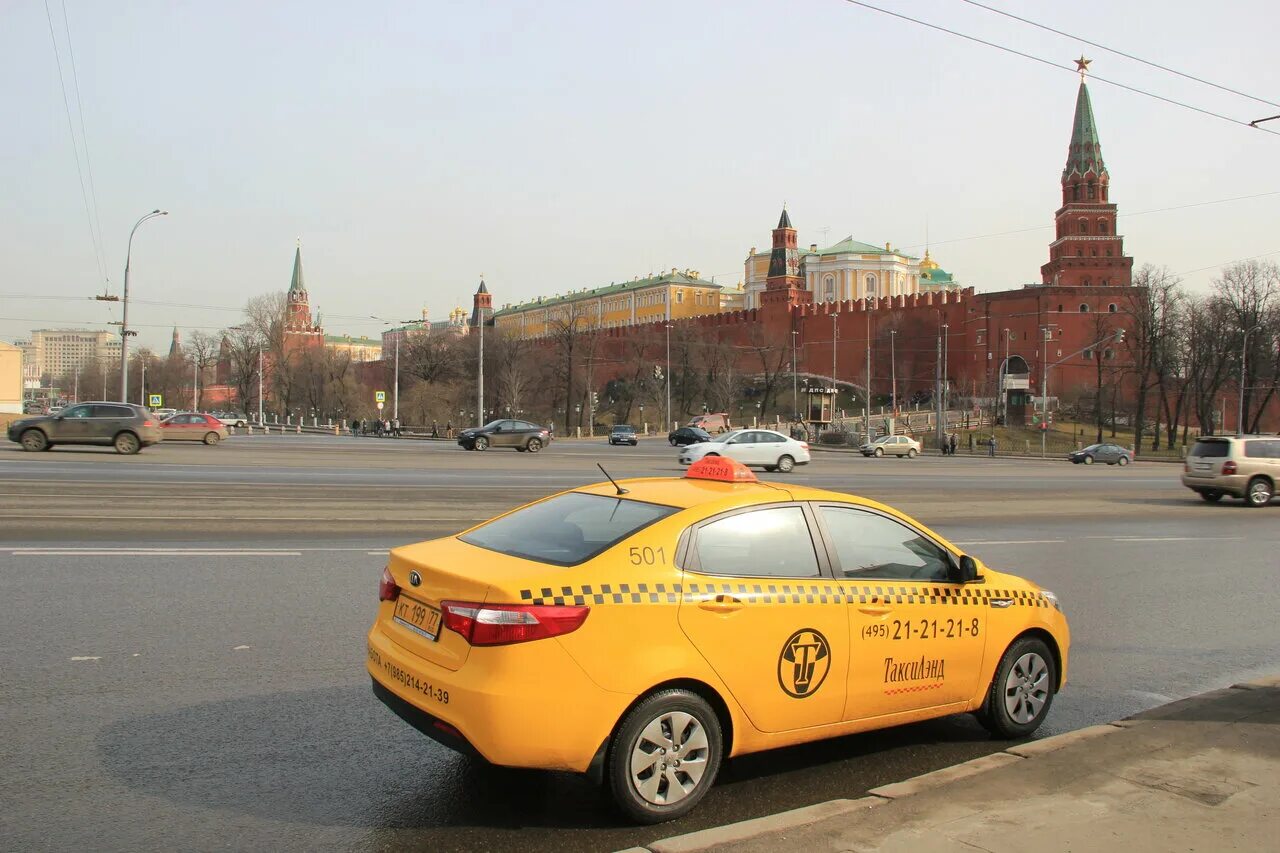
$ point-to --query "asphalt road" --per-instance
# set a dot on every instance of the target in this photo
(183, 636)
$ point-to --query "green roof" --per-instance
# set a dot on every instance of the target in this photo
(607, 290)
(936, 276)
(1085, 153)
(347, 339)
(851, 246)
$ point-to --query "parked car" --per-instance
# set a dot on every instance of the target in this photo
(718, 422)
(687, 435)
(521, 435)
(127, 428)
(193, 426)
(1245, 467)
(764, 448)
(892, 445)
(1112, 454)
(232, 419)
(623, 434)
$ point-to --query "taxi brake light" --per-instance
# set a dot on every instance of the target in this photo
(1229, 467)
(503, 624)
(388, 590)
(720, 468)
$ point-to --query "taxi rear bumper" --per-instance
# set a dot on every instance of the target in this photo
(523, 705)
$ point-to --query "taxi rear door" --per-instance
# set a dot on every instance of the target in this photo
(762, 609)
(917, 638)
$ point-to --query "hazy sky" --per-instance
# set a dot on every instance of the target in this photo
(555, 145)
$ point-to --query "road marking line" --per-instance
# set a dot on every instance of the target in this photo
(1014, 542)
(377, 553)
(1172, 538)
(239, 648)
(87, 657)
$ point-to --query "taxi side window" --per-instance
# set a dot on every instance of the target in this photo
(872, 546)
(772, 542)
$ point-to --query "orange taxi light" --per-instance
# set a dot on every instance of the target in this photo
(720, 468)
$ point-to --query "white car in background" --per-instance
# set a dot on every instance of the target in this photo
(231, 419)
(762, 448)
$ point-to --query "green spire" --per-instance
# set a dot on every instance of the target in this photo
(296, 285)
(1085, 154)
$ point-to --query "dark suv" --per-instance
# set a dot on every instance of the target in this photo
(521, 435)
(125, 427)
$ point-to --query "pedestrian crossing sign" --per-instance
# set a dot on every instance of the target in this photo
(379, 396)
(155, 401)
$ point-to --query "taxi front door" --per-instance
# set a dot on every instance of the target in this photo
(917, 639)
(759, 609)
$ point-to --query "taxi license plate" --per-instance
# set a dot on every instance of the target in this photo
(418, 617)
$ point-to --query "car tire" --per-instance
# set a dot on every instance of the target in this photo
(1122, 461)
(1088, 459)
(669, 725)
(126, 444)
(1211, 496)
(771, 468)
(1259, 492)
(879, 452)
(673, 441)
(481, 443)
(34, 441)
(911, 454)
(534, 445)
(1022, 690)
(520, 450)
(786, 464)
(211, 438)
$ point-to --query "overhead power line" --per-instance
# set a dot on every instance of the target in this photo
(1121, 53)
(84, 140)
(75, 148)
(1059, 66)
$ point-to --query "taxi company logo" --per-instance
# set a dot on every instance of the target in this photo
(804, 663)
(925, 669)
(415, 579)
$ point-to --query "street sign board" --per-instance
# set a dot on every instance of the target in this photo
(155, 401)
(380, 397)
(380, 405)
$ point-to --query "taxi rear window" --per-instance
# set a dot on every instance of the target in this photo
(567, 529)
(1210, 449)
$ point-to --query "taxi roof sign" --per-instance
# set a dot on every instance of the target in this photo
(720, 468)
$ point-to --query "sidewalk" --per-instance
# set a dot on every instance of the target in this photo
(1200, 774)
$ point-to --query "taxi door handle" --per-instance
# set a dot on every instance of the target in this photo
(875, 610)
(721, 604)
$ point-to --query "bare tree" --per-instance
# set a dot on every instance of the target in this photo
(565, 326)
(433, 358)
(772, 359)
(1249, 292)
(1148, 314)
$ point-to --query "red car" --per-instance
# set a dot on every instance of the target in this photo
(193, 426)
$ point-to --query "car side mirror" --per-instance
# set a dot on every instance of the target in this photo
(966, 571)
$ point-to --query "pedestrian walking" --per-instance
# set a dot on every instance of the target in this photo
(448, 429)
(952, 444)
(355, 425)
(435, 430)
(395, 427)
(991, 446)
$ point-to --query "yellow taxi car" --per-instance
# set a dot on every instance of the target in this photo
(643, 630)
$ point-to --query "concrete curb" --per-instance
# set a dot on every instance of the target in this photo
(708, 839)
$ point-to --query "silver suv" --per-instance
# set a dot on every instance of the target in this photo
(1245, 467)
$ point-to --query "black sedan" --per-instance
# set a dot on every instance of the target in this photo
(623, 434)
(521, 435)
(1112, 454)
(688, 435)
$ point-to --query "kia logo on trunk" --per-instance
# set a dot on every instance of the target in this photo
(415, 579)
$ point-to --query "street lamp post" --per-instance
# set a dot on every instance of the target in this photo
(893, 369)
(834, 340)
(1003, 408)
(260, 420)
(795, 382)
(1244, 355)
(124, 318)
(866, 411)
(1044, 388)
(946, 368)
(668, 376)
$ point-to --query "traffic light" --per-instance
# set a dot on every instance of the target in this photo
(595, 399)
(657, 372)
(1120, 336)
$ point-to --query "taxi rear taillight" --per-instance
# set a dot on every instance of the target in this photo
(1229, 467)
(504, 624)
(388, 590)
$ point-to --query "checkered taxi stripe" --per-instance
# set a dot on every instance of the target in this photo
(825, 593)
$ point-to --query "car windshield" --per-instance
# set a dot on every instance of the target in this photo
(567, 529)
(1093, 447)
(1212, 449)
(885, 439)
(491, 425)
(729, 436)
(624, 429)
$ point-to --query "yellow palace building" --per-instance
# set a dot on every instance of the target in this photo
(672, 295)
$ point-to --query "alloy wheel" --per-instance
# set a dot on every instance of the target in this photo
(1026, 690)
(669, 758)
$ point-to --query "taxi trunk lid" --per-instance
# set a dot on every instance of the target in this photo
(445, 570)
